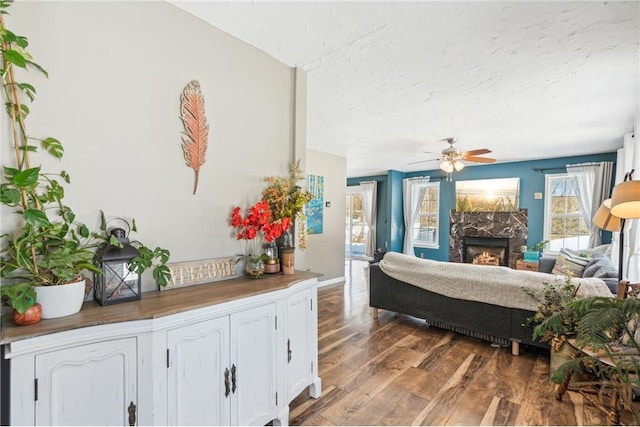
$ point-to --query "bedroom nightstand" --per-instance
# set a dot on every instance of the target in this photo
(525, 265)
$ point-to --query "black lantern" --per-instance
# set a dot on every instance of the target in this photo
(117, 283)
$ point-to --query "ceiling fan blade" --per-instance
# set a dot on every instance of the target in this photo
(479, 159)
(476, 152)
(422, 161)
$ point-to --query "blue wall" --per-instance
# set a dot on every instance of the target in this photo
(531, 181)
(394, 209)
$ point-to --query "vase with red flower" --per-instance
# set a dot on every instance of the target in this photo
(256, 227)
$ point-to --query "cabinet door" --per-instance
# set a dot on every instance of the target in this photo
(198, 358)
(253, 356)
(93, 384)
(298, 341)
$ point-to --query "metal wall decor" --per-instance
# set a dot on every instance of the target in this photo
(196, 128)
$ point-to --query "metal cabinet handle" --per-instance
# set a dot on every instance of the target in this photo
(233, 378)
(132, 413)
(288, 350)
(226, 382)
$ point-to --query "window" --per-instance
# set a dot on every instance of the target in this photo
(356, 227)
(425, 227)
(564, 226)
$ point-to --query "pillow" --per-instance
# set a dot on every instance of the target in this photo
(596, 263)
(571, 263)
(602, 249)
(606, 272)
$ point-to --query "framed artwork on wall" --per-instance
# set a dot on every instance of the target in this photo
(488, 195)
(314, 210)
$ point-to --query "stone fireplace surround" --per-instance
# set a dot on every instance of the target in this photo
(511, 225)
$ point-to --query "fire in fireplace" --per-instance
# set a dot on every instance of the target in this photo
(486, 250)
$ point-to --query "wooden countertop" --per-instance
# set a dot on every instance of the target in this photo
(154, 304)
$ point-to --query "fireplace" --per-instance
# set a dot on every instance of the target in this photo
(502, 225)
(486, 250)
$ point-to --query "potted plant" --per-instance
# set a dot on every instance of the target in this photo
(555, 323)
(286, 199)
(49, 248)
(257, 226)
(26, 311)
(608, 339)
(532, 253)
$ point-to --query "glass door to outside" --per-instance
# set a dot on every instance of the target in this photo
(355, 227)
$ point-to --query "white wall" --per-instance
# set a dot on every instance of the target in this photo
(325, 252)
(116, 72)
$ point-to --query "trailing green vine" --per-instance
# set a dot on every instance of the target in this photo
(51, 247)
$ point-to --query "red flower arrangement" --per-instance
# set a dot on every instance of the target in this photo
(258, 221)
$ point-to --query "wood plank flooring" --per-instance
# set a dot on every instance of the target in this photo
(396, 370)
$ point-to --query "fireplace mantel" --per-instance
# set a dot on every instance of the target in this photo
(511, 225)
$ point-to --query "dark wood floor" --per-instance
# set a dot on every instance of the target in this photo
(397, 371)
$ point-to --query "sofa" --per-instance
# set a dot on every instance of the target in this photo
(583, 263)
(485, 302)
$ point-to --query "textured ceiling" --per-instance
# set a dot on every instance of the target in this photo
(387, 80)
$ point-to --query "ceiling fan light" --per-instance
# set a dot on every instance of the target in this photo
(446, 166)
(458, 165)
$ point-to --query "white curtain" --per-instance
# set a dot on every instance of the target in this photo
(594, 182)
(628, 158)
(369, 190)
(413, 190)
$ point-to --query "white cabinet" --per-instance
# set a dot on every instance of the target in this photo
(253, 366)
(301, 335)
(198, 357)
(223, 371)
(299, 361)
(93, 384)
(171, 360)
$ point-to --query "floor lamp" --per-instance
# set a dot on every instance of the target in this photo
(624, 204)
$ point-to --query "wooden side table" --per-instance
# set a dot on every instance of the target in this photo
(526, 265)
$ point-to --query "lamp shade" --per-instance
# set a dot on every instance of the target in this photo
(604, 219)
(625, 200)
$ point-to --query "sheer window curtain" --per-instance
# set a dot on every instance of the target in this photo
(594, 184)
(413, 190)
(629, 158)
(369, 190)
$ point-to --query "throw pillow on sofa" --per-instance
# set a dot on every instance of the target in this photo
(570, 262)
(600, 267)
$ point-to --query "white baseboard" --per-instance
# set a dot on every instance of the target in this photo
(330, 282)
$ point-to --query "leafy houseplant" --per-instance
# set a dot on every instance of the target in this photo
(532, 253)
(538, 247)
(50, 248)
(286, 199)
(554, 321)
(607, 331)
(146, 258)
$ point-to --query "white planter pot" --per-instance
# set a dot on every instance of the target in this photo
(61, 300)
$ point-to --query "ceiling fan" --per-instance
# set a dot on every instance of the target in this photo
(452, 157)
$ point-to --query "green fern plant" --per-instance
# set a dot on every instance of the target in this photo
(601, 324)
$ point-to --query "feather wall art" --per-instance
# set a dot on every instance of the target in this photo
(196, 128)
